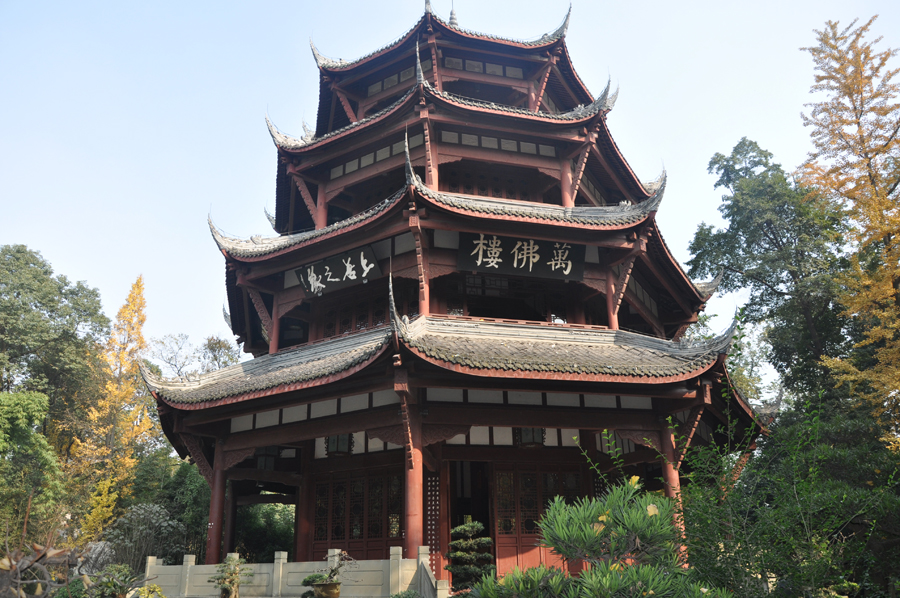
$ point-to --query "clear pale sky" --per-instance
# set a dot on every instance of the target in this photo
(124, 124)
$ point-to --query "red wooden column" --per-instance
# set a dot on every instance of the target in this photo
(276, 328)
(670, 474)
(611, 313)
(566, 183)
(216, 509)
(230, 517)
(302, 517)
(415, 535)
(321, 207)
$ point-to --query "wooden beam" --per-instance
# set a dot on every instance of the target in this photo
(521, 416)
(314, 428)
(267, 499)
(261, 475)
(622, 282)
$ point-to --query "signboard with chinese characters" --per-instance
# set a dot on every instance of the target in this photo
(520, 256)
(339, 272)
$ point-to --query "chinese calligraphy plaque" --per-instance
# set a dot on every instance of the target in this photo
(520, 256)
(339, 272)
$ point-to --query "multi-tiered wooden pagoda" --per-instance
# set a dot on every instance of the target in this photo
(466, 277)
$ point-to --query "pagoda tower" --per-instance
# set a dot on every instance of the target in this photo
(466, 287)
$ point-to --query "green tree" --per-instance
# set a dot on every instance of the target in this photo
(51, 334)
(469, 556)
(783, 243)
(30, 480)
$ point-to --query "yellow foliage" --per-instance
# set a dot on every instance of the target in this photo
(102, 511)
(118, 422)
(857, 161)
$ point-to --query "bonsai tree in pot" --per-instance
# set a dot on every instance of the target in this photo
(229, 576)
(326, 583)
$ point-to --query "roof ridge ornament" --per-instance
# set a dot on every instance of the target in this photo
(561, 30)
(453, 21)
(420, 76)
(286, 141)
(270, 218)
(708, 287)
(428, 7)
(322, 61)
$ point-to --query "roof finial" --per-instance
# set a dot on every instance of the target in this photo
(453, 21)
(428, 6)
(410, 173)
(420, 77)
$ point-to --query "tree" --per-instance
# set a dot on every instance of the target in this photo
(815, 510)
(120, 422)
(51, 333)
(180, 358)
(856, 136)
(629, 539)
(469, 559)
(783, 243)
(30, 480)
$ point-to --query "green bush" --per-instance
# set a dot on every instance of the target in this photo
(75, 589)
(308, 581)
(469, 559)
(628, 538)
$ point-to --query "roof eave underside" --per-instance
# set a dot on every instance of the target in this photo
(674, 268)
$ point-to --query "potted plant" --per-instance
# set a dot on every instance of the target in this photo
(229, 576)
(330, 585)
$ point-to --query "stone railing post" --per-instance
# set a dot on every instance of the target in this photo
(189, 561)
(425, 556)
(280, 560)
(394, 577)
(443, 588)
(151, 562)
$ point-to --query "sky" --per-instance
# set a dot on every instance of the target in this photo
(124, 125)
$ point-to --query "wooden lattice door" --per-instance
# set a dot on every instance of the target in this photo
(520, 494)
(361, 513)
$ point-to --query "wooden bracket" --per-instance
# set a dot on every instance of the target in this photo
(687, 429)
(232, 458)
(534, 103)
(579, 167)
(401, 387)
(346, 104)
(622, 282)
(306, 195)
(195, 449)
(261, 310)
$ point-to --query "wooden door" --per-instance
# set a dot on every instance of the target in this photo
(521, 492)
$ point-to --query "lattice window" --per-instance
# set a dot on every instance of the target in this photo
(357, 508)
(506, 503)
(376, 508)
(433, 517)
(321, 518)
(339, 510)
(330, 324)
(346, 319)
(362, 316)
(395, 506)
(379, 312)
(529, 502)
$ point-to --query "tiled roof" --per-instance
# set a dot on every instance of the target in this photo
(604, 103)
(517, 348)
(340, 64)
(544, 40)
(259, 246)
(288, 367)
(286, 142)
(596, 216)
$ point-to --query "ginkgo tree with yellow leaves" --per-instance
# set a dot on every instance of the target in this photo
(119, 423)
(856, 160)
(627, 536)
